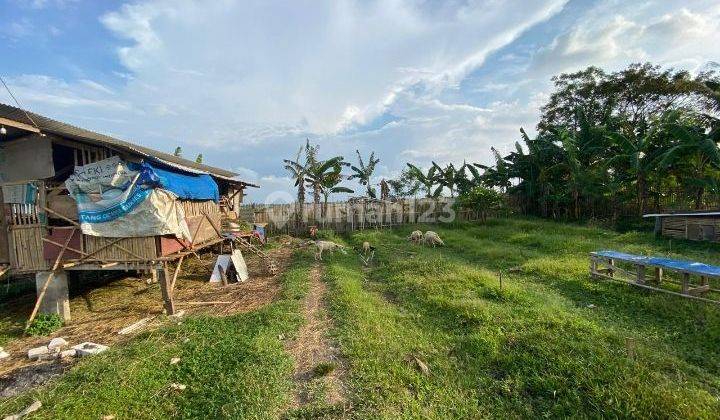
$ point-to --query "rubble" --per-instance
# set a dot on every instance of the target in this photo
(57, 343)
(177, 315)
(87, 348)
(35, 353)
(68, 353)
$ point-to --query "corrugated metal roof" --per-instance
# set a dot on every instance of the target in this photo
(50, 126)
(696, 213)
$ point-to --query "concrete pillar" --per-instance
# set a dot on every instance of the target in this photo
(57, 299)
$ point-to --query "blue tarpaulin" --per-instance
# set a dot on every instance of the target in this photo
(679, 265)
(186, 186)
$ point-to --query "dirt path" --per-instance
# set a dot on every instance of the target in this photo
(319, 369)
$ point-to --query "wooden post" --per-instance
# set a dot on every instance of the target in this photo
(640, 274)
(165, 290)
(658, 275)
(593, 267)
(685, 283)
(611, 269)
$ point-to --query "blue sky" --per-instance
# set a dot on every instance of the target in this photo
(245, 82)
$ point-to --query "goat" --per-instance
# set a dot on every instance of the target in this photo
(368, 252)
(416, 236)
(327, 246)
(432, 238)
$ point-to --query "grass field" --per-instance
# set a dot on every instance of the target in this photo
(550, 343)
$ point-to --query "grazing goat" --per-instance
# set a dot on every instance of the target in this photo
(432, 238)
(327, 246)
(368, 252)
(416, 236)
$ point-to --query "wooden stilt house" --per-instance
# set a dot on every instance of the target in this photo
(40, 227)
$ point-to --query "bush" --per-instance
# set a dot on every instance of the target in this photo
(45, 324)
(480, 199)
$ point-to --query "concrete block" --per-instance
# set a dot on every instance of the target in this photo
(49, 356)
(87, 348)
(35, 353)
(57, 343)
(68, 353)
(56, 299)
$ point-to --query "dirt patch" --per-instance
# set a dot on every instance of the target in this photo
(101, 312)
(319, 369)
(29, 377)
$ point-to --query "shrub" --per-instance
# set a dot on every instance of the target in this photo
(45, 324)
(481, 199)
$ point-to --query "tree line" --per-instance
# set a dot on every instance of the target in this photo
(623, 140)
(606, 143)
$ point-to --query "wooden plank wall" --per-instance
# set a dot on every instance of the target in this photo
(694, 228)
(127, 249)
(26, 227)
(195, 212)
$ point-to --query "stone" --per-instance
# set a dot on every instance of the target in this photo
(35, 353)
(68, 353)
(3, 354)
(174, 360)
(88, 349)
(177, 315)
(49, 356)
(57, 343)
(178, 387)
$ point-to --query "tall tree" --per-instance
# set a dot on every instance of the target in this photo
(693, 154)
(297, 170)
(428, 181)
(363, 172)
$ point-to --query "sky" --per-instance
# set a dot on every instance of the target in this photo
(245, 83)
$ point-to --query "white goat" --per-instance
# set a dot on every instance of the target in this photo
(432, 238)
(327, 246)
(416, 236)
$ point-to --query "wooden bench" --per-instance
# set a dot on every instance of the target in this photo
(604, 264)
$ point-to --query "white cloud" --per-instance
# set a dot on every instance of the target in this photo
(246, 83)
(612, 40)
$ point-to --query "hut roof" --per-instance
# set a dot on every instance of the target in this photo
(10, 114)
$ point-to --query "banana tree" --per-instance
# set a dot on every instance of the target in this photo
(363, 173)
(317, 175)
(450, 177)
(297, 171)
(330, 185)
(693, 153)
(634, 159)
(428, 180)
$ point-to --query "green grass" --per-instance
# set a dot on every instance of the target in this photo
(550, 343)
(532, 349)
(233, 367)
